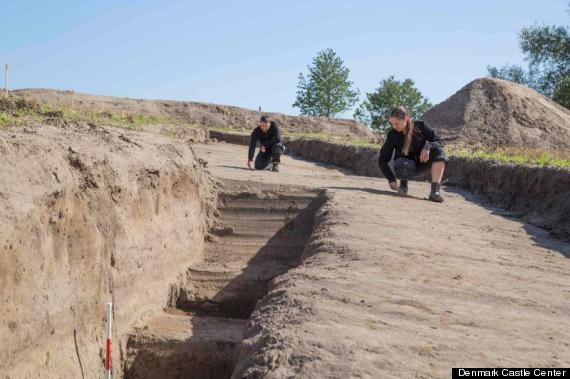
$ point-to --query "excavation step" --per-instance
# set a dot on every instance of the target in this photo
(264, 206)
(182, 346)
(256, 237)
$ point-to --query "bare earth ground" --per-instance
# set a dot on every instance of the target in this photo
(90, 215)
(402, 287)
(204, 114)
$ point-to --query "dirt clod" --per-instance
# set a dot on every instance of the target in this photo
(222, 231)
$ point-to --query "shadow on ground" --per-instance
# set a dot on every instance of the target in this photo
(375, 191)
(541, 237)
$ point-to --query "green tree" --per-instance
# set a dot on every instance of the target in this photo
(547, 48)
(513, 73)
(375, 110)
(326, 91)
(547, 51)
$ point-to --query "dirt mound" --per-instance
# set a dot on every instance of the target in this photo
(490, 113)
(204, 114)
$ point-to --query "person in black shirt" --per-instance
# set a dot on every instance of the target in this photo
(271, 148)
(416, 149)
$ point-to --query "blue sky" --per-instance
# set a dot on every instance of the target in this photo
(249, 53)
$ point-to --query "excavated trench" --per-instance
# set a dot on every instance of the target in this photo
(259, 233)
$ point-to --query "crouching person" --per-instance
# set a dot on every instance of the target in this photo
(416, 149)
(271, 147)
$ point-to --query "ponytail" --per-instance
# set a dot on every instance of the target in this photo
(408, 135)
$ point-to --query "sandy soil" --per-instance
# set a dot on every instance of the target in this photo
(90, 215)
(489, 113)
(203, 114)
(260, 233)
(402, 287)
(371, 285)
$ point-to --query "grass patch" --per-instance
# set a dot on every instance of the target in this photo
(17, 111)
(117, 119)
(3, 119)
(519, 156)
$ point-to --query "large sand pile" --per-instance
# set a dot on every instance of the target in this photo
(490, 113)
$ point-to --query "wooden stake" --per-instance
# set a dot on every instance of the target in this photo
(6, 79)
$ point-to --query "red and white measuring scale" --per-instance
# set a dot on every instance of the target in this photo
(109, 333)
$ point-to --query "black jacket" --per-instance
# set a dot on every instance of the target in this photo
(267, 139)
(395, 142)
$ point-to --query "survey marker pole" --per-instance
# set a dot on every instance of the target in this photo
(6, 79)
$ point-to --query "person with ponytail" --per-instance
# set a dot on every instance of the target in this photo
(416, 148)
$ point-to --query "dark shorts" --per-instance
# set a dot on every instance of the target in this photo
(406, 168)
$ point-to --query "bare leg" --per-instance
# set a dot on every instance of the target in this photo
(437, 171)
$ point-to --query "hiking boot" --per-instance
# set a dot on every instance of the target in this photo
(403, 189)
(275, 167)
(435, 194)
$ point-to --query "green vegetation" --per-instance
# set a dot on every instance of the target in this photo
(519, 156)
(119, 119)
(3, 119)
(17, 111)
(547, 51)
(327, 90)
(375, 110)
(14, 111)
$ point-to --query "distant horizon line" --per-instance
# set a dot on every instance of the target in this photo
(204, 102)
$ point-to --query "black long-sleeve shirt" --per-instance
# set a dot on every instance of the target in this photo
(267, 139)
(395, 142)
